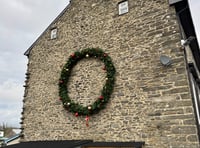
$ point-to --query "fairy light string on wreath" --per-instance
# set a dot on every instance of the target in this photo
(102, 100)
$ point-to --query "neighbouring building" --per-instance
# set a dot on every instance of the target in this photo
(11, 141)
(155, 98)
(1, 134)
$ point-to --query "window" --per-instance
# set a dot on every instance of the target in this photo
(54, 33)
(123, 7)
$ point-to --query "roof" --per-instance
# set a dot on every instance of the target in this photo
(12, 138)
(75, 143)
(115, 144)
(183, 12)
(171, 2)
(3, 138)
(27, 52)
(50, 144)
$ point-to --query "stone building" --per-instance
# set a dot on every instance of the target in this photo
(154, 102)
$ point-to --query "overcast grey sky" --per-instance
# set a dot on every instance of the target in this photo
(195, 7)
(21, 22)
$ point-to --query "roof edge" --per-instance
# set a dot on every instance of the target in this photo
(27, 52)
(173, 2)
(12, 138)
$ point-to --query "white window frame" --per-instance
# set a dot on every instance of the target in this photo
(123, 7)
(54, 33)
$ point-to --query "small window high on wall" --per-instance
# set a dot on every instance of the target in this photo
(53, 33)
(123, 7)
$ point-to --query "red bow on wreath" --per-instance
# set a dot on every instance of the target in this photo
(87, 120)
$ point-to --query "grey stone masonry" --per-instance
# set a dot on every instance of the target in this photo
(150, 102)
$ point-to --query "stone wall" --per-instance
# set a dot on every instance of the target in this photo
(150, 102)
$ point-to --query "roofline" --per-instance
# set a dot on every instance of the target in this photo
(27, 52)
(12, 138)
(184, 13)
(172, 2)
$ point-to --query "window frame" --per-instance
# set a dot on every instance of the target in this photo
(127, 9)
(53, 33)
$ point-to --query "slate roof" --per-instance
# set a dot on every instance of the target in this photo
(50, 144)
(12, 138)
(75, 144)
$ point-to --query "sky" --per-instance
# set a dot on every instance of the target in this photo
(21, 22)
(194, 8)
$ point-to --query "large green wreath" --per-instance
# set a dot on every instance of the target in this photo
(106, 92)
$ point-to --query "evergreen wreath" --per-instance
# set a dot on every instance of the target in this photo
(106, 92)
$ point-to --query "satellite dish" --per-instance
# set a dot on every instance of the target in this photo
(165, 60)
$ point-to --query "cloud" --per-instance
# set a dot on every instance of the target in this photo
(22, 21)
(194, 8)
(10, 102)
(11, 90)
(13, 66)
(29, 15)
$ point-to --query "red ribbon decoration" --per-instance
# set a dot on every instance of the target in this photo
(104, 68)
(101, 97)
(87, 121)
(72, 55)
